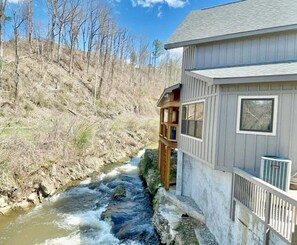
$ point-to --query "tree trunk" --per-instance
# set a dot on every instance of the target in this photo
(2, 19)
(30, 24)
(17, 63)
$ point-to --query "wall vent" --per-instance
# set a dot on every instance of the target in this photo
(276, 171)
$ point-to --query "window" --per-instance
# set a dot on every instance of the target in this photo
(192, 119)
(257, 114)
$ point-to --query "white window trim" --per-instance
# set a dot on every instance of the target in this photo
(189, 103)
(274, 120)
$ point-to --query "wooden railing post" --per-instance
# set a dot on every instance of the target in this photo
(267, 218)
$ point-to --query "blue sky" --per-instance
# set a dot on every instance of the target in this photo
(148, 19)
(157, 18)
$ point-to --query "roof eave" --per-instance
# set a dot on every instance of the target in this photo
(242, 80)
(256, 79)
(168, 90)
(230, 36)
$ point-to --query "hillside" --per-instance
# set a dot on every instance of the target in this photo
(58, 129)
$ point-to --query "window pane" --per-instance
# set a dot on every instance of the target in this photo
(199, 120)
(191, 127)
(185, 112)
(184, 119)
(191, 120)
(257, 115)
(191, 112)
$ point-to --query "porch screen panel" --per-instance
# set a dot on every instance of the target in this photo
(199, 115)
(184, 119)
(191, 120)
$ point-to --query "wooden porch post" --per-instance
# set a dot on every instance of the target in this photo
(160, 155)
(167, 168)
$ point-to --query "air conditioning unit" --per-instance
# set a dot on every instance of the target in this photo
(276, 171)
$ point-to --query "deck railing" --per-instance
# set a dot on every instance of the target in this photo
(272, 206)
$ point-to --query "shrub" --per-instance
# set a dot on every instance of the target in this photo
(83, 137)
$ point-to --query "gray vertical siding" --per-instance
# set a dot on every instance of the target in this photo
(254, 50)
(245, 151)
(193, 90)
(221, 145)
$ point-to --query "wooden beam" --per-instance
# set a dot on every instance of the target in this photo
(163, 160)
(167, 168)
(160, 155)
(171, 104)
(169, 122)
(172, 144)
(161, 119)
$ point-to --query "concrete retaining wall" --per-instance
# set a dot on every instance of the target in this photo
(211, 190)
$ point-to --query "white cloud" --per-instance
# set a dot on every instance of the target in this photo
(160, 13)
(177, 52)
(151, 3)
(16, 1)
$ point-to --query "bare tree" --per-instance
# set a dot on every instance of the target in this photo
(98, 16)
(142, 58)
(115, 47)
(2, 20)
(85, 31)
(18, 19)
(53, 12)
(29, 21)
(62, 19)
(76, 20)
(102, 50)
(104, 54)
(111, 52)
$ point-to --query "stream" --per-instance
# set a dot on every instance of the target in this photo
(114, 209)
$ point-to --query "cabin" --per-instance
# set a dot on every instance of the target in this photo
(237, 138)
(168, 133)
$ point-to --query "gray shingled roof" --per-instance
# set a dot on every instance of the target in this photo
(247, 17)
(279, 72)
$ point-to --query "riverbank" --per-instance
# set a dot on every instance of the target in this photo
(29, 187)
(113, 208)
(177, 219)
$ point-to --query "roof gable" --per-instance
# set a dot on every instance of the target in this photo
(243, 18)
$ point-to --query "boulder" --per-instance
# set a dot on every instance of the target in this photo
(6, 210)
(47, 188)
(33, 198)
(3, 201)
(25, 205)
(119, 192)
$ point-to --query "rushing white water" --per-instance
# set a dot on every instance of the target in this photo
(74, 217)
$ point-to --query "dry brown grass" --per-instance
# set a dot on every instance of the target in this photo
(56, 127)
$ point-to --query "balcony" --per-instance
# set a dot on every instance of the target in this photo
(169, 126)
(169, 129)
